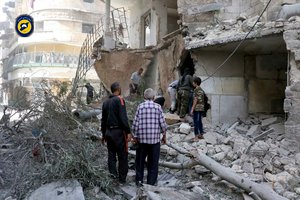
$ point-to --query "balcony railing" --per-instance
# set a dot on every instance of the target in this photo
(43, 59)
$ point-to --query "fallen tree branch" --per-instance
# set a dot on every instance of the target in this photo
(229, 175)
(186, 165)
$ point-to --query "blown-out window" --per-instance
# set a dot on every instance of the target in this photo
(87, 28)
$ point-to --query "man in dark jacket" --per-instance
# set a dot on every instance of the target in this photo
(185, 87)
(90, 93)
(116, 132)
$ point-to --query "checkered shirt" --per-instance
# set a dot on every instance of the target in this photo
(149, 123)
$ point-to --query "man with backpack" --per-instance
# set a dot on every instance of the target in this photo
(198, 109)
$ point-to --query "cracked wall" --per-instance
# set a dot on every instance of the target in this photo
(160, 64)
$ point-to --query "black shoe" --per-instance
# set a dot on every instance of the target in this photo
(139, 184)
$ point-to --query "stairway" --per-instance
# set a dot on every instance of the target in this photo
(94, 39)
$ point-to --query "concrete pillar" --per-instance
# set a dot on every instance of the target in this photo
(109, 42)
(107, 15)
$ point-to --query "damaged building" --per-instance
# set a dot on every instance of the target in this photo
(247, 54)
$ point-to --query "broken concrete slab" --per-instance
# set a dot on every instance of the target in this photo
(269, 121)
(248, 167)
(241, 129)
(260, 148)
(60, 190)
(254, 130)
(171, 193)
(128, 191)
(211, 138)
(263, 134)
(171, 118)
(232, 127)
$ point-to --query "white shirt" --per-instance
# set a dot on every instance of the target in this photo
(135, 77)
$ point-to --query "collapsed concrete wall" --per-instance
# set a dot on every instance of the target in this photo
(199, 13)
(292, 100)
(159, 63)
(211, 23)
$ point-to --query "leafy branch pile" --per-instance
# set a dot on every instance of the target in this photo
(49, 144)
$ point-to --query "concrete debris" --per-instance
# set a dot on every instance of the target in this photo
(185, 128)
(171, 118)
(254, 130)
(61, 190)
(268, 122)
(255, 148)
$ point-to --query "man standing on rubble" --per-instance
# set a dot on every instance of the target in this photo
(185, 88)
(149, 123)
(116, 132)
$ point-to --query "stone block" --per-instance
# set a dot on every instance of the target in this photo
(295, 86)
(61, 190)
(128, 191)
(268, 122)
(248, 167)
(171, 118)
(263, 134)
(254, 130)
(287, 105)
(260, 148)
(241, 129)
(219, 156)
(297, 55)
(241, 145)
(211, 138)
(290, 195)
(185, 128)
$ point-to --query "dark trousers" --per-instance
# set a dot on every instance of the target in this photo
(89, 99)
(117, 147)
(151, 151)
(134, 90)
(183, 102)
(198, 126)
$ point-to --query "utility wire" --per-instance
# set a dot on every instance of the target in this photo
(236, 48)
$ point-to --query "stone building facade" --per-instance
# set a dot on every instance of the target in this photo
(246, 53)
(51, 52)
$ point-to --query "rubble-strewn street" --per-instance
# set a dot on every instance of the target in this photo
(66, 66)
(255, 149)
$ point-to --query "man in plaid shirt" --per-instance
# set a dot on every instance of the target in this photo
(148, 125)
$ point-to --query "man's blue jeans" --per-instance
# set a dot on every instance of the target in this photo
(198, 126)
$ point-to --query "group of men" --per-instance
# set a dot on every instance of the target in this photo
(147, 132)
(187, 97)
(148, 129)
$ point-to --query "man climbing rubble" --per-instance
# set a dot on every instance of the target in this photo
(116, 132)
(135, 81)
(90, 92)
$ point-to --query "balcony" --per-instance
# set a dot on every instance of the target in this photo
(43, 59)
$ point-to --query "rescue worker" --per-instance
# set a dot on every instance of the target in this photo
(185, 88)
(116, 133)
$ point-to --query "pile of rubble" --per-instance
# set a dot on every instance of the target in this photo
(256, 149)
